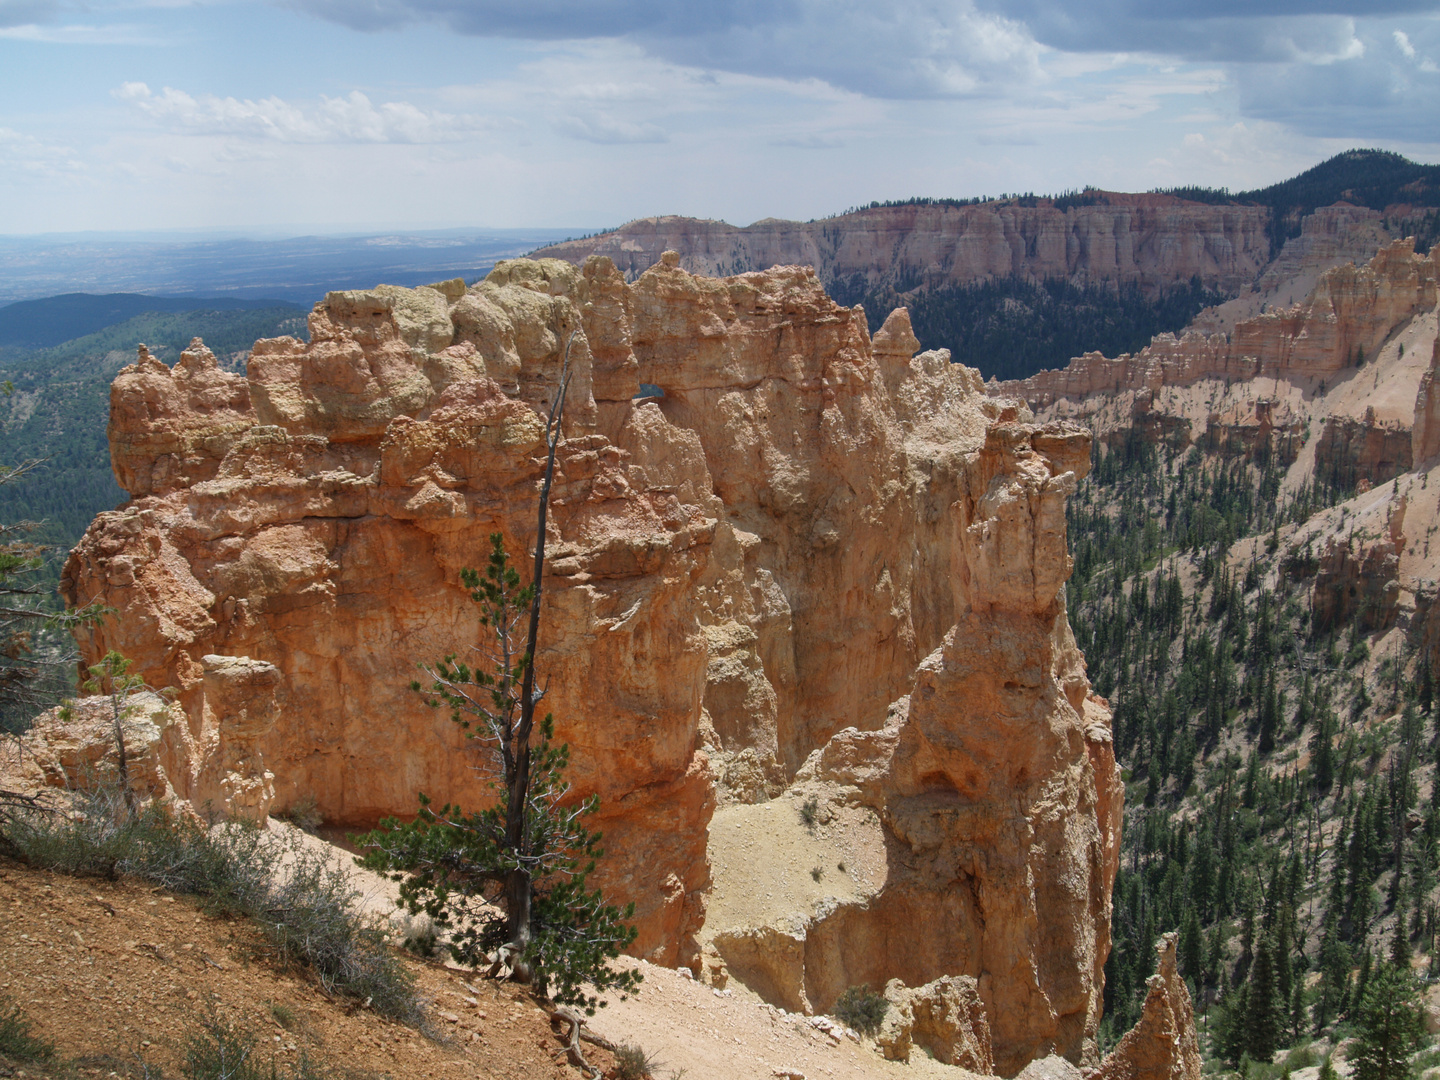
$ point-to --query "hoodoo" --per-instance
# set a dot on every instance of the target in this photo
(814, 563)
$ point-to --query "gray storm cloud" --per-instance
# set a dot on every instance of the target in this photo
(1327, 67)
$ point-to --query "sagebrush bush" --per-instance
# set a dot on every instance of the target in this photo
(220, 1049)
(16, 1040)
(633, 1063)
(810, 813)
(305, 904)
(862, 1009)
(230, 865)
(303, 813)
(311, 917)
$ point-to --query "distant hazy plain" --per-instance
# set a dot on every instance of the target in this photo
(299, 269)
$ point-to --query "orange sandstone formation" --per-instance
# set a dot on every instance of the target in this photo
(1162, 1045)
(1355, 449)
(808, 552)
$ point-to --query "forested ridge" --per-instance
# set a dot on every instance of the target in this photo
(1009, 328)
(1378, 179)
(1281, 813)
(59, 398)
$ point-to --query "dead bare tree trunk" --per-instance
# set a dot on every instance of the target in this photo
(518, 885)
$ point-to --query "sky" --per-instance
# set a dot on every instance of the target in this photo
(353, 115)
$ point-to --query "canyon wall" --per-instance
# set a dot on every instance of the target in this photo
(1331, 236)
(1155, 241)
(1425, 432)
(799, 550)
(1350, 313)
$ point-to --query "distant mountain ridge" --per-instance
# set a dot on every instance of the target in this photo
(993, 279)
(1153, 241)
(1394, 186)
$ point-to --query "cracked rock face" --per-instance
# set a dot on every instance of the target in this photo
(806, 553)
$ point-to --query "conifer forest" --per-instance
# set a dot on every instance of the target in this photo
(1281, 813)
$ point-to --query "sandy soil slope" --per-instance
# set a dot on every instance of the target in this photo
(116, 972)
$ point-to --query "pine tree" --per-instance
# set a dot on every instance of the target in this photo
(461, 869)
(1269, 714)
(1285, 980)
(510, 880)
(1334, 975)
(1391, 1025)
(1192, 946)
(1265, 1008)
(1297, 1010)
(1362, 976)
(1322, 753)
(1400, 938)
(1247, 932)
(1303, 706)
(1232, 1032)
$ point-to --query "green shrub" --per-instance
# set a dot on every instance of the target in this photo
(223, 1050)
(16, 1041)
(311, 918)
(632, 1063)
(219, 1050)
(303, 813)
(230, 865)
(862, 1009)
(810, 812)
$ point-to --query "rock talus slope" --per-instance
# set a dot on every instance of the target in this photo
(812, 559)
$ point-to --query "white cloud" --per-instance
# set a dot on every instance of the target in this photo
(79, 34)
(598, 127)
(349, 119)
(1408, 50)
(25, 155)
(812, 140)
